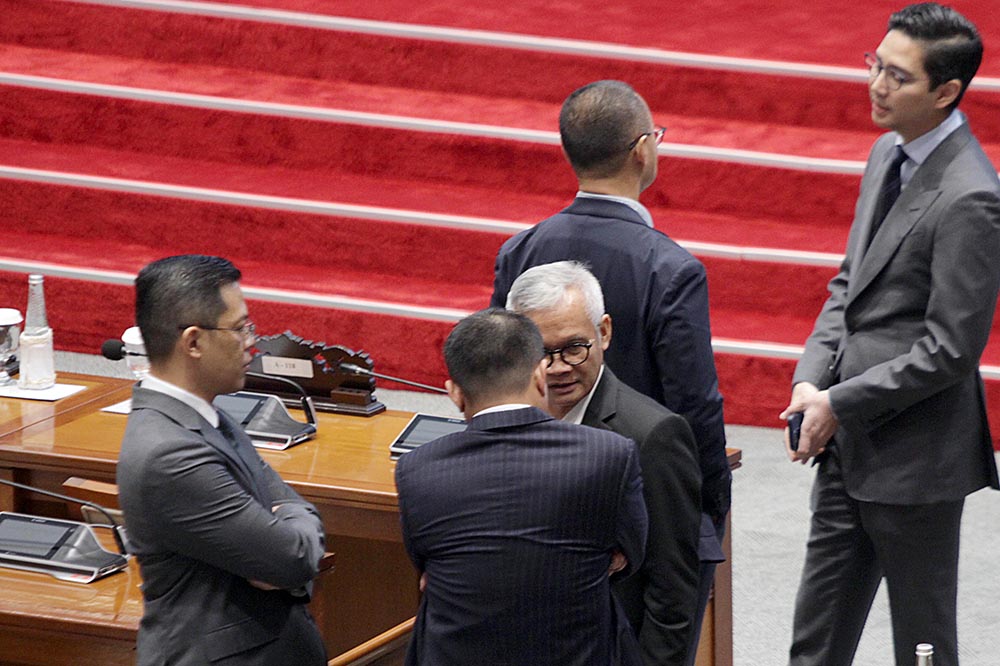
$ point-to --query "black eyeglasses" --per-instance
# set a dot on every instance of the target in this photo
(657, 134)
(894, 78)
(247, 330)
(572, 354)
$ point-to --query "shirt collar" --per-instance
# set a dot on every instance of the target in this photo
(500, 408)
(918, 150)
(575, 415)
(641, 210)
(190, 399)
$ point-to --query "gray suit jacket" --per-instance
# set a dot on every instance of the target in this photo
(899, 339)
(199, 517)
(662, 598)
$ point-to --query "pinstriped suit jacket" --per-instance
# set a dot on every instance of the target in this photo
(514, 521)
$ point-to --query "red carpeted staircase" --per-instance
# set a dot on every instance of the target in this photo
(363, 162)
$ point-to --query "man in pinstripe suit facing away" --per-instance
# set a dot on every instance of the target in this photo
(518, 523)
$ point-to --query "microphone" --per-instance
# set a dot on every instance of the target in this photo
(113, 524)
(114, 350)
(358, 370)
(307, 401)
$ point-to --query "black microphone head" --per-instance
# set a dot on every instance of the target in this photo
(113, 349)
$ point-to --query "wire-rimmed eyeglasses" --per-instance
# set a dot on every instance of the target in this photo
(894, 78)
(657, 133)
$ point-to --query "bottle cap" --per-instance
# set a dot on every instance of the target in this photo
(925, 650)
(10, 316)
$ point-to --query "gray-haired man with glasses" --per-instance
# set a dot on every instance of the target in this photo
(565, 302)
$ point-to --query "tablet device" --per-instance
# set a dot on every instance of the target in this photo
(421, 429)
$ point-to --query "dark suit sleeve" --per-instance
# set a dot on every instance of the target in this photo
(682, 340)
(205, 514)
(816, 365)
(418, 559)
(633, 521)
(672, 490)
(501, 280)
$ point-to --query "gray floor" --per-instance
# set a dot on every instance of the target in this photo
(770, 524)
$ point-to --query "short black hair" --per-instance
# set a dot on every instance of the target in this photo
(492, 353)
(952, 46)
(597, 122)
(178, 291)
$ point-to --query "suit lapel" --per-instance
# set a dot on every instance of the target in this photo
(188, 418)
(914, 201)
(604, 405)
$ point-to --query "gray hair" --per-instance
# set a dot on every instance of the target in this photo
(545, 286)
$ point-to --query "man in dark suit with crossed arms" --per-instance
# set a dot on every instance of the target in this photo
(517, 523)
(564, 300)
(889, 382)
(663, 345)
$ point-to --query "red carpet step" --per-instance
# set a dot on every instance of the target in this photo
(398, 68)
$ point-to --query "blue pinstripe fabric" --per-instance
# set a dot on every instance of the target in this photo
(514, 521)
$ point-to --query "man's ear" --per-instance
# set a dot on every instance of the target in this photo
(538, 379)
(604, 328)
(456, 395)
(947, 93)
(191, 341)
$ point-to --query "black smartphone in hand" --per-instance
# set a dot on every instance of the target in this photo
(794, 430)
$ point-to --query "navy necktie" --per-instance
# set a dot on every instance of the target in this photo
(889, 192)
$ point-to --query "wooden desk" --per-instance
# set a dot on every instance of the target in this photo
(49, 622)
(17, 414)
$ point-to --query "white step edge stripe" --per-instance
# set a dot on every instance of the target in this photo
(508, 40)
(719, 345)
(379, 213)
(261, 200)
(733, 155)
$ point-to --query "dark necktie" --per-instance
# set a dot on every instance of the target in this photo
(889, 192)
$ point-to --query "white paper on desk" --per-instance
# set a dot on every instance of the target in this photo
(51, 394)
(123, 407)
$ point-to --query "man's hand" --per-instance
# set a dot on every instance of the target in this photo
(818, 424)
(618, 562)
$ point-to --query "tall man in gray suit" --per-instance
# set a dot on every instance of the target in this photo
(517, 522)
(564, 300)
(226, 550)
(889, 382)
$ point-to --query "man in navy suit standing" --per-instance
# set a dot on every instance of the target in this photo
(657, 292)
(518, 523)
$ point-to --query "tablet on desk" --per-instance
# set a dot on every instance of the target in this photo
(421, 429)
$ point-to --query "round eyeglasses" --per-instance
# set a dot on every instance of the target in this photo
(572, 354)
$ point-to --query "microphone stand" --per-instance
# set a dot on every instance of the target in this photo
(358, 370)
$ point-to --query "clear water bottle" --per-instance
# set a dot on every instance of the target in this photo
(38, 365)
(925, 654)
